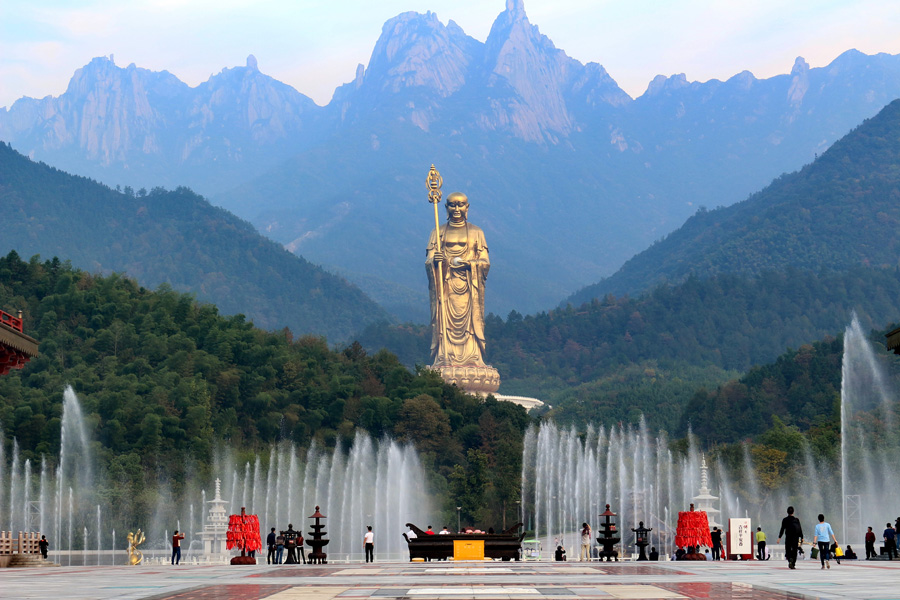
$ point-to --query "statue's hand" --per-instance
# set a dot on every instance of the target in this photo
(460, 263)
(438, 257)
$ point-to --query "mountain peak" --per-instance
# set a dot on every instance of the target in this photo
(417, 50)
(251, 63)
(518, 55)
(799, 82)
(661, 84)
(516, 8)
(800, 66)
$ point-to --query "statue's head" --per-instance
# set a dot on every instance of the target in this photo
(457, 207)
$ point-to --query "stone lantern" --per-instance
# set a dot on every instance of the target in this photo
(642, 539)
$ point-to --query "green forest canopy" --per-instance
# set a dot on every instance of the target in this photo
(162, 377)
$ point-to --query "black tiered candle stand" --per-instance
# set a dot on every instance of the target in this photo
(607, 540)
(316, 541)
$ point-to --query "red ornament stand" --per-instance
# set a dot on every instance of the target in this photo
(693, 529)
(243, 534)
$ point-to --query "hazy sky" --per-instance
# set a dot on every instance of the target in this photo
(315, 45)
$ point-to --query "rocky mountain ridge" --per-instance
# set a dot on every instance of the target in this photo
(142, 128)
(569, 174)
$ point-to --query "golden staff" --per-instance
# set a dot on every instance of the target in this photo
(434, 182)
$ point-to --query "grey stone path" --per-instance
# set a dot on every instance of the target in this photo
(461, 581)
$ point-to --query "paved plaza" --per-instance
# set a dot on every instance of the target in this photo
(461, 581)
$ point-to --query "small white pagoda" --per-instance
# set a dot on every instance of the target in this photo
(704, 500)
(215, 529)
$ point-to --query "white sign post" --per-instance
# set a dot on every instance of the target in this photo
(740, 538)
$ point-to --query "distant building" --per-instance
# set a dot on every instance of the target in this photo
(528, 403)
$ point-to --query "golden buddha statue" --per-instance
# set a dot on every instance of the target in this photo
(457, 264)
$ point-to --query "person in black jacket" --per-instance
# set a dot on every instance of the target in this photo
(270, 542)
(792, 532)
(716, 537)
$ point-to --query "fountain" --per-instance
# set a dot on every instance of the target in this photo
(357, 483)
(566, 473)
(869, 436)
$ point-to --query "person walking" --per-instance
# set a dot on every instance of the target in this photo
(369, 545)
(176, 547)
(716, 537)
(270, 544)
(760, 544)
(824, 535)
(43, 545)
(792, 532)
(585, 542)
(890, 542)
(870, 544)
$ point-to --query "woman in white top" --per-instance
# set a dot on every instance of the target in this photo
(369, 545)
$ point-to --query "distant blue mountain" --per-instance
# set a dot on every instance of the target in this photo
(837, 213)
(567, 174)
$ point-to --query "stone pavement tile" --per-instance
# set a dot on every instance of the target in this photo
(476, 591)
(637, 591)
(358, 593)
(359, 571)
(728, 591)
(308, 593)
(295, 572)
(240, 591)
(465, 570)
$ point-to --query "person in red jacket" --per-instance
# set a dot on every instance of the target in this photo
(176, 547)
(870, 544)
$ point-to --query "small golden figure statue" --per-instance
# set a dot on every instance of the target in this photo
(135, 556)
(457, 264)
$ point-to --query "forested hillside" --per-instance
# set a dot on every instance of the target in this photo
(840, 211)
(174, 237)
(616, 358)
(163, 379)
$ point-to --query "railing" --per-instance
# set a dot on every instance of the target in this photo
(24, 543)
(11, 321)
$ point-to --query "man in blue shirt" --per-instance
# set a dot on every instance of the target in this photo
(890, 542)
(824, 535)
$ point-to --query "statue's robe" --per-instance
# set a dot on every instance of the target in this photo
(463, 293)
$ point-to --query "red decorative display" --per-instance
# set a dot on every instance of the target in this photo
(693, 529)
(243, 533)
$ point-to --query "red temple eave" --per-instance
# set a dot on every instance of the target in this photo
(16, 348)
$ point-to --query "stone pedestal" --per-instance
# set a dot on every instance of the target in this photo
(476, 380)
